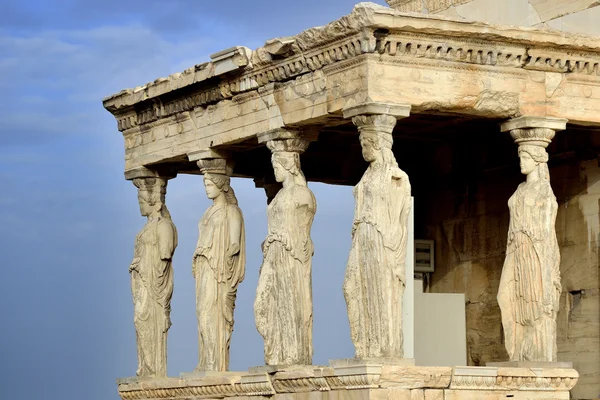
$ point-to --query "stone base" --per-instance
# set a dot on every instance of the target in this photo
(531, 364)
(373, 382)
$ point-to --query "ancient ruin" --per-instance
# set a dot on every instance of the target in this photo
(152, 277)
(415, 101)
(218, 266)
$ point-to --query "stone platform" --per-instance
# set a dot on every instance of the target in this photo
(369, 381)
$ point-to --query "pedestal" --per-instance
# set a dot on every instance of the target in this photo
(360, 380)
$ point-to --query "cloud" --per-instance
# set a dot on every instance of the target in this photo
(54, 81)
(69, 218)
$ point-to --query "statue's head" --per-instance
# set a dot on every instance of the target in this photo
(151, 194)
(217, 179)
(215, 184)
(286, 159)
(374, 144)
(532, 157)
(285, 165)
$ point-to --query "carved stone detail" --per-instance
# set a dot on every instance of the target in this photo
(375, 275)
(406, 5)
(218, 266)
(152, 277)
(283, 305)
(313, 381)
(530, 285)
(345, 39)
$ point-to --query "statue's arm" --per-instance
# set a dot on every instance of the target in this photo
(235, 221)
(306, 208)
(166, 240)
(401, 205)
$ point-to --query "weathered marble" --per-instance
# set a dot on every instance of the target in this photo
(375, 275)
(530, 285)
(152, 277)
(218, 266)
(460, 77)
(283, 305)
(538, 13)
(370, 382)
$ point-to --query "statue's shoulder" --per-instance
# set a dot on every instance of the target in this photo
(402, 179)
(397, 173)
(166, 225)
(303, 195)
(234, 211)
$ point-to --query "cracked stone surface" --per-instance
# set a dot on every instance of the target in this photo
(513, 12)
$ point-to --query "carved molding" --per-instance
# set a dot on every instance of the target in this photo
(320, 379)
(536, 131)
(448, 51)
(377, 124)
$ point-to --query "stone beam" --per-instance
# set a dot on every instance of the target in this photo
(372, 55)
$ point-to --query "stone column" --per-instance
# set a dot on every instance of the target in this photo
(151, 272)
(219, 262)
(375, 275)
(283, 305)
(530, 285)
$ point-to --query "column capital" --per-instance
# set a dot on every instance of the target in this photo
(309, 134)
(213, 161)
(398, 111)
(534, 131)
(294, 140)
(146, 172)
(528, 122)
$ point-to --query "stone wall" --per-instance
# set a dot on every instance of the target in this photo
(466, 213)
(578, 16)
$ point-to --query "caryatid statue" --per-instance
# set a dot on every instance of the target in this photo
(283, 305)
(152, 277)
(375, 274)
(530, 285)
(218, 266)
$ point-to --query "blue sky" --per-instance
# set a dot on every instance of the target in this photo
(69, 218)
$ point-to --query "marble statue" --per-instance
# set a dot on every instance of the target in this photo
(375, 275)
(152, 277)
(283, 305)
(530, 284)
(218, 267)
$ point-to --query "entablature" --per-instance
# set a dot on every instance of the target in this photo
(437, 65)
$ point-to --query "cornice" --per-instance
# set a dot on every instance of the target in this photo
(369, 29)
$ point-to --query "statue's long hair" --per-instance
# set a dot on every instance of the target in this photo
(290, 161)
(540, 156)
(382, 144)
(223, 182)
(155, 191)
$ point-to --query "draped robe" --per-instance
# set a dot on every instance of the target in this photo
(375, 274)
(152, 289)
(283, 305)
(217, 279)
(530, 284)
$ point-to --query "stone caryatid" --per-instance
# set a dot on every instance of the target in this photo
(375, 275)
(530, 285)
(152, 277)
(218, 266)
(283, 305)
